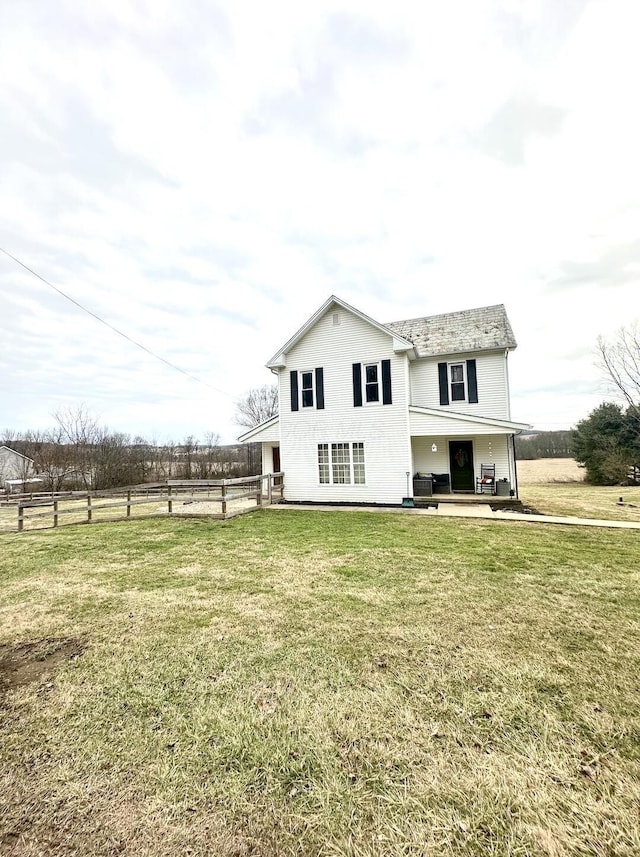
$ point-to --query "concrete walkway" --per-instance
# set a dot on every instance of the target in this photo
(459, 510)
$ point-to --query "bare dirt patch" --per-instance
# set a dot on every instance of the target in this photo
(28, 662)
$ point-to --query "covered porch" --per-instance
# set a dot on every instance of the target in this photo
(458, 458)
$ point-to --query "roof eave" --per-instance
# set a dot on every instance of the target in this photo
(472, 418)
(455, 352)
(252, 432)
(279, 359)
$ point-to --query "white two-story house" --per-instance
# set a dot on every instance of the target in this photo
(365, 407)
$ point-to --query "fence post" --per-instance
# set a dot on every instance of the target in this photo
(128, 504)
(88, 508)
(269, 489)
(55, 513)
(224, 499)
(169, 502)
(20, 517)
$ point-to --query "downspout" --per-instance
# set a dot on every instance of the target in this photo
(515, 466)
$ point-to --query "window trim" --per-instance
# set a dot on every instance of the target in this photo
(378, 383)
(325, 460)
(464, 382)
(314, 391)
(470, 380)
(311, 389)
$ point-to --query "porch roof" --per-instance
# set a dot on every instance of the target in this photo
(267, 431)
(466, 421)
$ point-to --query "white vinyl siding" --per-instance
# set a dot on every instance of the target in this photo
(13, 465)
(384, 431)
(267, 458)
(491, 371)
(449, 425)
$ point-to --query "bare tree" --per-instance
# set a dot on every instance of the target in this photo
(257, 406)
(619, 358)
(207, 464)
(79, 429)
(189, 455)
(53, 458)
(8, 437)
(165, 465)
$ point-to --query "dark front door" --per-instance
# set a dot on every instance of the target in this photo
(276, 464)
(461, 464)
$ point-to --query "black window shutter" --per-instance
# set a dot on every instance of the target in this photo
(294, 391)
(320, 388)
(444, 383)
(472, 381)
(357, 385)
(386, 382)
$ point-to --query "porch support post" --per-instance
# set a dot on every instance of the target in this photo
(515, 467)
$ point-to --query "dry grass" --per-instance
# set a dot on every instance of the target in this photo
(322, 684)
(541, 470)
(547, 486)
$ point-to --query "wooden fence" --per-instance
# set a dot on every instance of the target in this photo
(225, 491)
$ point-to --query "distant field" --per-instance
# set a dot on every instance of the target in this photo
(549, 486)
(534, 471)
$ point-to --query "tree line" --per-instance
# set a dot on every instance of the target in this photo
(545, 444)
(79, 453)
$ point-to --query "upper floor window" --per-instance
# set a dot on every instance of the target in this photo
(371, 383)
(458, 382)
(307, 388)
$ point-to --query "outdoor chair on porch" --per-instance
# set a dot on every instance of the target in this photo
(486, 482)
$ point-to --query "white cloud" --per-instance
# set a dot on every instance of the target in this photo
(204, 176)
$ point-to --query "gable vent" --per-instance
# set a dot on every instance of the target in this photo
(336, 319)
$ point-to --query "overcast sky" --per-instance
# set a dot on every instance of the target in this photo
(204, 175)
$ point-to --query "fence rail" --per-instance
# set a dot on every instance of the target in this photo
(170, 492)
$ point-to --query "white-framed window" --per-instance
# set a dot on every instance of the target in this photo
(341, 463)
(371, 382)
(457, 382)
(324, 467)
(306, 389)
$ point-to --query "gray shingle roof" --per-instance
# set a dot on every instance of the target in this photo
(482, 329)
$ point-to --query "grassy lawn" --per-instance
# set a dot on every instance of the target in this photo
(582, 500)
(320, 684)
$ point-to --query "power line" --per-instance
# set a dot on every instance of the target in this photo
(111, 327)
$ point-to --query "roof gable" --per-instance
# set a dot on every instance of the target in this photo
(279, 358)
(482, 329)
(15, 452)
